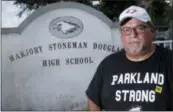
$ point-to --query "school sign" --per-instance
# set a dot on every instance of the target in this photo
(50, 58)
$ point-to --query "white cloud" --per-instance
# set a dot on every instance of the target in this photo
(96, 2)
(9, 14)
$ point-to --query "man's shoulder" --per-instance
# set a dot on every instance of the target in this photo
(112, 58)
(164, 51)
(115, 56)
(164, 54)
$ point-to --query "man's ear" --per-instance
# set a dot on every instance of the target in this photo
(153, 31)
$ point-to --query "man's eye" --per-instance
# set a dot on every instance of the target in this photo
(140, 28)
(126, 29)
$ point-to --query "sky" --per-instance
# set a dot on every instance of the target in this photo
(9, 14)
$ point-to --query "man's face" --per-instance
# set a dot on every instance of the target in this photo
(136, 36)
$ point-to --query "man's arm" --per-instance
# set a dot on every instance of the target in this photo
(94, 90)
(92, 106)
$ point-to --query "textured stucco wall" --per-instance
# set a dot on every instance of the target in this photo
(28, 85)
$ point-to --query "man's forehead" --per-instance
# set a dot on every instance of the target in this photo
(133, 22)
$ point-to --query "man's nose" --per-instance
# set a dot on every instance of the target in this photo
(133, 33)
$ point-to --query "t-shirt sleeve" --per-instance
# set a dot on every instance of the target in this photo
(93, 91)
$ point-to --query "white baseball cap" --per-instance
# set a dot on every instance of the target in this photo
(135, 12)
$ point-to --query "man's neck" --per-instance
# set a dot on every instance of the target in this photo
(142, 56)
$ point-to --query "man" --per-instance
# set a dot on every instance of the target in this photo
(139, 77)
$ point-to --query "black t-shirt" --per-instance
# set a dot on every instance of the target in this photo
(123, 85)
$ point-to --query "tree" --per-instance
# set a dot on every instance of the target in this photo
(28, 5)
(158, 9)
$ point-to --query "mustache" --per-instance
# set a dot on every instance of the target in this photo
(134, 41)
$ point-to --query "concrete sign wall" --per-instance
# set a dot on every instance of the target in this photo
(49, 60)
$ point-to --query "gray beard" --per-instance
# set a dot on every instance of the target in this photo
(135, 50)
